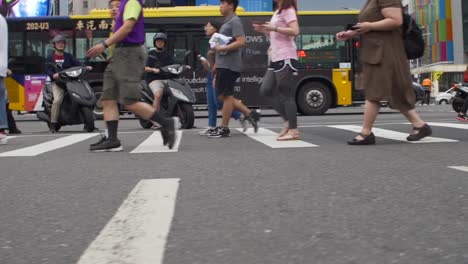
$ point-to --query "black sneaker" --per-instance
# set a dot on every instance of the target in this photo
(103, 138)
(253, 118)
(169, 133)
(14, 131)
(107, 146)
(52, 127)
(220, 132)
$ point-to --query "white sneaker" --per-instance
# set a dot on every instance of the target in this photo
(3, 139)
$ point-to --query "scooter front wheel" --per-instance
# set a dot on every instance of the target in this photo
(88, 118)
(186, 115)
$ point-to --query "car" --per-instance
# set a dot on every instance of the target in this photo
(445, 97)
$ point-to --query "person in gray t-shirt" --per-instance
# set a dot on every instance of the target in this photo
(228, 66)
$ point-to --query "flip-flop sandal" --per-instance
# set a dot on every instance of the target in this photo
(288, 136)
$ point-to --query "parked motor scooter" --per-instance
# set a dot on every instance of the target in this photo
(78, 101)
(177, 100)
(460, 96)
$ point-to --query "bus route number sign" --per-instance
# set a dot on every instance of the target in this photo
(34, 26)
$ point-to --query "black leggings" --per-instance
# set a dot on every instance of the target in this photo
(285, 93)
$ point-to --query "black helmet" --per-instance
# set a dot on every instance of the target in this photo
(58, 38)
(160, 35)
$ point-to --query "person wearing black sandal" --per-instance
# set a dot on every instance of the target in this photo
(386, 75)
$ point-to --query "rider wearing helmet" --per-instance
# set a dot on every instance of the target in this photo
(56, 62)
(157, 58)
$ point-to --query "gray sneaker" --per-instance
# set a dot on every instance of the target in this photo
(107, 145)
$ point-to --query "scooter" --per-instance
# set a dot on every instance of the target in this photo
(460, 96)
(78, 101)
(177, 100)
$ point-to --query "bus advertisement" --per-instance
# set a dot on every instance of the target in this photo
(326, 67)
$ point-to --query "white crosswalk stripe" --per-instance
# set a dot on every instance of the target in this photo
(394, 135)
(450, 125)
(268, 138)
(138, 232)
(154, 144)
(48, 146)
(460, 168)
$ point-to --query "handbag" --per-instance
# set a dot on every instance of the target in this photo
(268, 84)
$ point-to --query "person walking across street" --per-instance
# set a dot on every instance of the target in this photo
(122, 77)
(282, 30)
(427, 86)
(386, 74)
(158, 58)
(3, 74)
(462, 115)
(228, 66)
(208, 63)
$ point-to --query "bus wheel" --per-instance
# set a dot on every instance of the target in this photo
(313, 98)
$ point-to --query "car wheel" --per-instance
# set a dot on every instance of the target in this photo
(443, 102)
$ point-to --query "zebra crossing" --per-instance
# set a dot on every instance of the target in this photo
(152, 143)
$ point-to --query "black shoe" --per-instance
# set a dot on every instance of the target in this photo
(52, 127)
(14, 131)
(220, 132)
(169, 133)
(253, 118)
(107, 146)
(103, 138)
(423, 132)
(367, 140)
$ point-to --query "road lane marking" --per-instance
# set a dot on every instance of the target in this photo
(268, 138)
(450, 125)
(460, 168)
(154, 143)
(138, 232)
(48, 146)
(394, 135)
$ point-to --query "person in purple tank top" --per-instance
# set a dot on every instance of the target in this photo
(123, 75)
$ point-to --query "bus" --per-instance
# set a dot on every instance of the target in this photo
(326, 66)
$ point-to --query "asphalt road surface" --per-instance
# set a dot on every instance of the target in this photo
(246, 199)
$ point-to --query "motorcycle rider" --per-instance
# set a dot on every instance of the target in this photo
(56, 62)
(462, 115)
(158, 58)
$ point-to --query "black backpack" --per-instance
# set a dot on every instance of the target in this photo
(412, 37)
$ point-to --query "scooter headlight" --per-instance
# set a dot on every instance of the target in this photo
(74, 74)
(173, 70)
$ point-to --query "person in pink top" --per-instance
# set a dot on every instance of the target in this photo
(282, 30)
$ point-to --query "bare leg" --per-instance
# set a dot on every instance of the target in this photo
(414, 119)
(228, 107)
(111, 110)
(371, 110)
(141, 109)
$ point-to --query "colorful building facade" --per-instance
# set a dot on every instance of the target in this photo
(436, 18)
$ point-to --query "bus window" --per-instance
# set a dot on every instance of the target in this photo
(15, 51)
(86, 39)
(319, 47)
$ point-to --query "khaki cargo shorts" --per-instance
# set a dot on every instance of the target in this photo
(123, 75)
